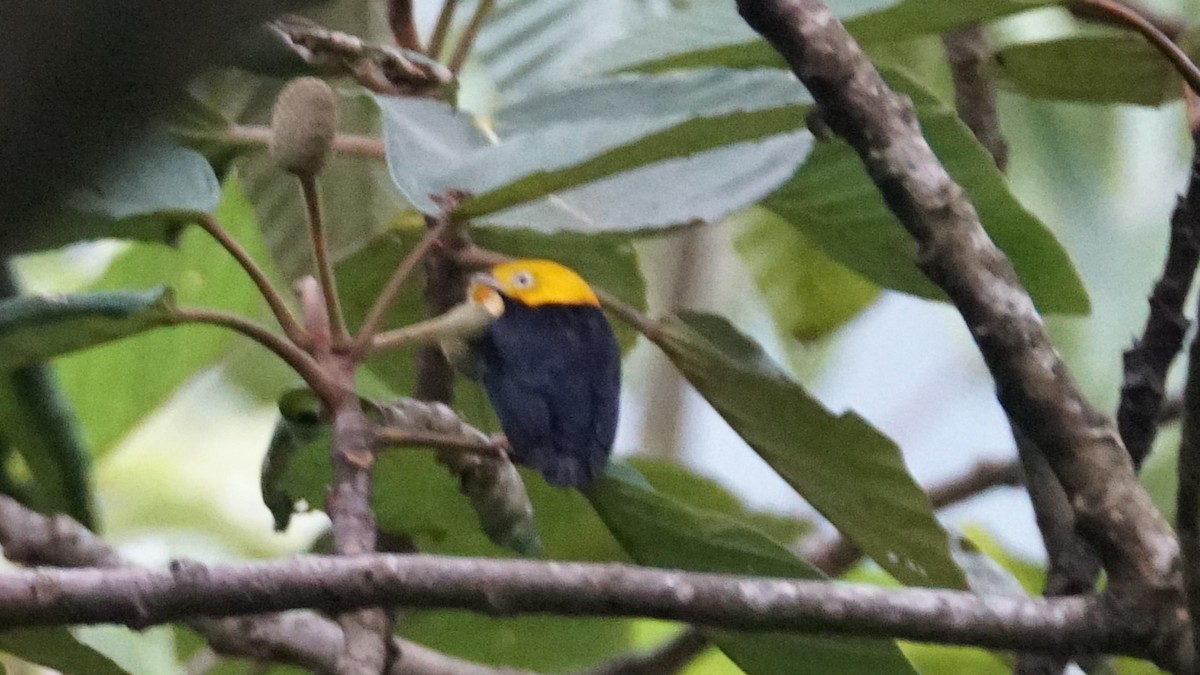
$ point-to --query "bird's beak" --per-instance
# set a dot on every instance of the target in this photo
(484, 290)
(485, 279)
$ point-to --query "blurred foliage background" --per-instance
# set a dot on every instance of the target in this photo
(175, 423)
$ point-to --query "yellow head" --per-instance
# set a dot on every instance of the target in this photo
(532, 283)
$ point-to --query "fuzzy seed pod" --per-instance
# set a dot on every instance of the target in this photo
(303, 123)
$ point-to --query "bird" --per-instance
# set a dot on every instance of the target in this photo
(551, 367)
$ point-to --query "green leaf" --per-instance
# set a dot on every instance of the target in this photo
(38, 421)
(561, 158)
(417, 497)
(35, 328)
(669, 97)
(874, 21)
(424, 139)
(150, 192)
(139, 374)
(566, 163)
(56, 648)
(546, 644)
(809, 294)
(526, 44)
(851, 473)
(677, 482)
(661, 532)
(1116, 67)
(705, 36)
(713, 34)
(836, 205)
(263, 50)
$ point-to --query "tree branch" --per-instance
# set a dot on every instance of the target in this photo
(974, 94)
(1043, 403)
(299, 638)
(1033, 384)
(1073, 566)
(381, 69)
(139, 598)
(366, 631)
(445, 287)
(403, 24)
(1150, 357)
(1187, 505)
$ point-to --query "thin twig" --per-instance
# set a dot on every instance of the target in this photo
(403, 24)
(1073, 565)
(389, 437)
(1171, 25)
(1127, 16)
(974, 94)
(463, 322)
(445, 286)
(669, 658)
(444, 20)
(320, 248)
(387, 296)
(467, 40)
(1147, 362)
(287, 321)
(294, 356)
(259, 136)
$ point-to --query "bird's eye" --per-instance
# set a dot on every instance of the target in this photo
(522, 280)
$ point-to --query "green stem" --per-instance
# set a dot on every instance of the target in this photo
(362, 341)
(294, 356)
(445, 17)
(287, 321)
(320, 246)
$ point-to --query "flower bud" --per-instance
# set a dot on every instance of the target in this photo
(303, 124)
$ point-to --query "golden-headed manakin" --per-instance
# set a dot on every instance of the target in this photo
(551, 367)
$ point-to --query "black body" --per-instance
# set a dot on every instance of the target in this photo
(553, 374)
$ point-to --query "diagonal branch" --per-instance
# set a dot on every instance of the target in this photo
(274, 299)
(967, 50)
(387, 296)
(1149, 359)
(1043, 403)
(1033, 384)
